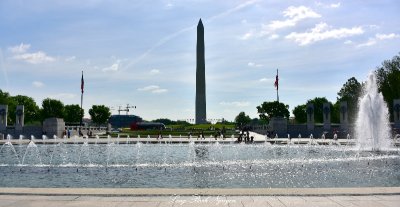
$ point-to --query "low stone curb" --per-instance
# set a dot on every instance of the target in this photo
(201, 192)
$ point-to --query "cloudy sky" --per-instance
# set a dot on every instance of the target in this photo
(143, 52)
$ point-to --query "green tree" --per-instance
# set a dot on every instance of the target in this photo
(165, 121)
(4, 100)
(388, 78)
(180, 122)
(318, 108)
(300, 113)
(242, 119)
(100, 114)
(73, 113)
(350, 92)
(31, 109)
(4, 97)
(267, 110)
(335, 112)
(52, 108)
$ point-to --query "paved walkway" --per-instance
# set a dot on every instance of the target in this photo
(258, 138)
(239, 197)
(195, 201)
(177, 140)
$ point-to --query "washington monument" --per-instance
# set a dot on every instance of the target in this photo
(201, 116)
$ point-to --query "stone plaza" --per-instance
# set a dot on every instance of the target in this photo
(360, 197)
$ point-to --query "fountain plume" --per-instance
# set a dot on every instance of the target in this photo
(372, 128)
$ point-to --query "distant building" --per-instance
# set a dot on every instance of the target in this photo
(123, 121)
(133, 122)
(148, 126)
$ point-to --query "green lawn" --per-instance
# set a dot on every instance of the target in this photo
(176, 130)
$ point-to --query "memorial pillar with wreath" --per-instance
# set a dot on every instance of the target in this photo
(3, 117)
(326, 109)
(19, 118)
(396, 113)
(310, 117)
(344, 116)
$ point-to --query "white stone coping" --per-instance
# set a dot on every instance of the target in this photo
(202, 191)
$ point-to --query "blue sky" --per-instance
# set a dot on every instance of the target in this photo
(143, 52)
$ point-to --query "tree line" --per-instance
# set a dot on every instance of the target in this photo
(388, 80)
(72, 114)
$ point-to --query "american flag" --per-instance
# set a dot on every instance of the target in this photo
(82, 83)
(276, 80)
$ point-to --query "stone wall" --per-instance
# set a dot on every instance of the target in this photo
(26, 132)
(295, 129)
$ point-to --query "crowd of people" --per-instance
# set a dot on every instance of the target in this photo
(67, 133)
(245, 137)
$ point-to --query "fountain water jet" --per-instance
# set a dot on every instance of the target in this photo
(372, 129)
(32, 154)
(8, 146)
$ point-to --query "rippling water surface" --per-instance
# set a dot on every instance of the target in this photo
(196, 166)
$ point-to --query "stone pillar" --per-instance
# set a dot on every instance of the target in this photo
(279, 126)
(344, 115)
(19, 118)
(54, 126)
(310, 117)
(396, 112)
(3, 117)
(326, 110)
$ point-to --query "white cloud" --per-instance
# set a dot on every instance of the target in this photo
(248, 35)
(160, 90)
(20, 53)
(332, 5)
(235, 103)
(154, 71)
(300, 12)
(378, 37)
(252, 64)
(20, 48)
(69, 59)
(348, 42)
(266, 80)
(153, 89)
(337, 5)
(37, 84)
(273, 37)
(113, 67)
(386, 36)
(276, 24)
(295, 15)
(370, 42)
(169, 5)
(373, 26)
(321, 32)
(149, 88)
(34, 58)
